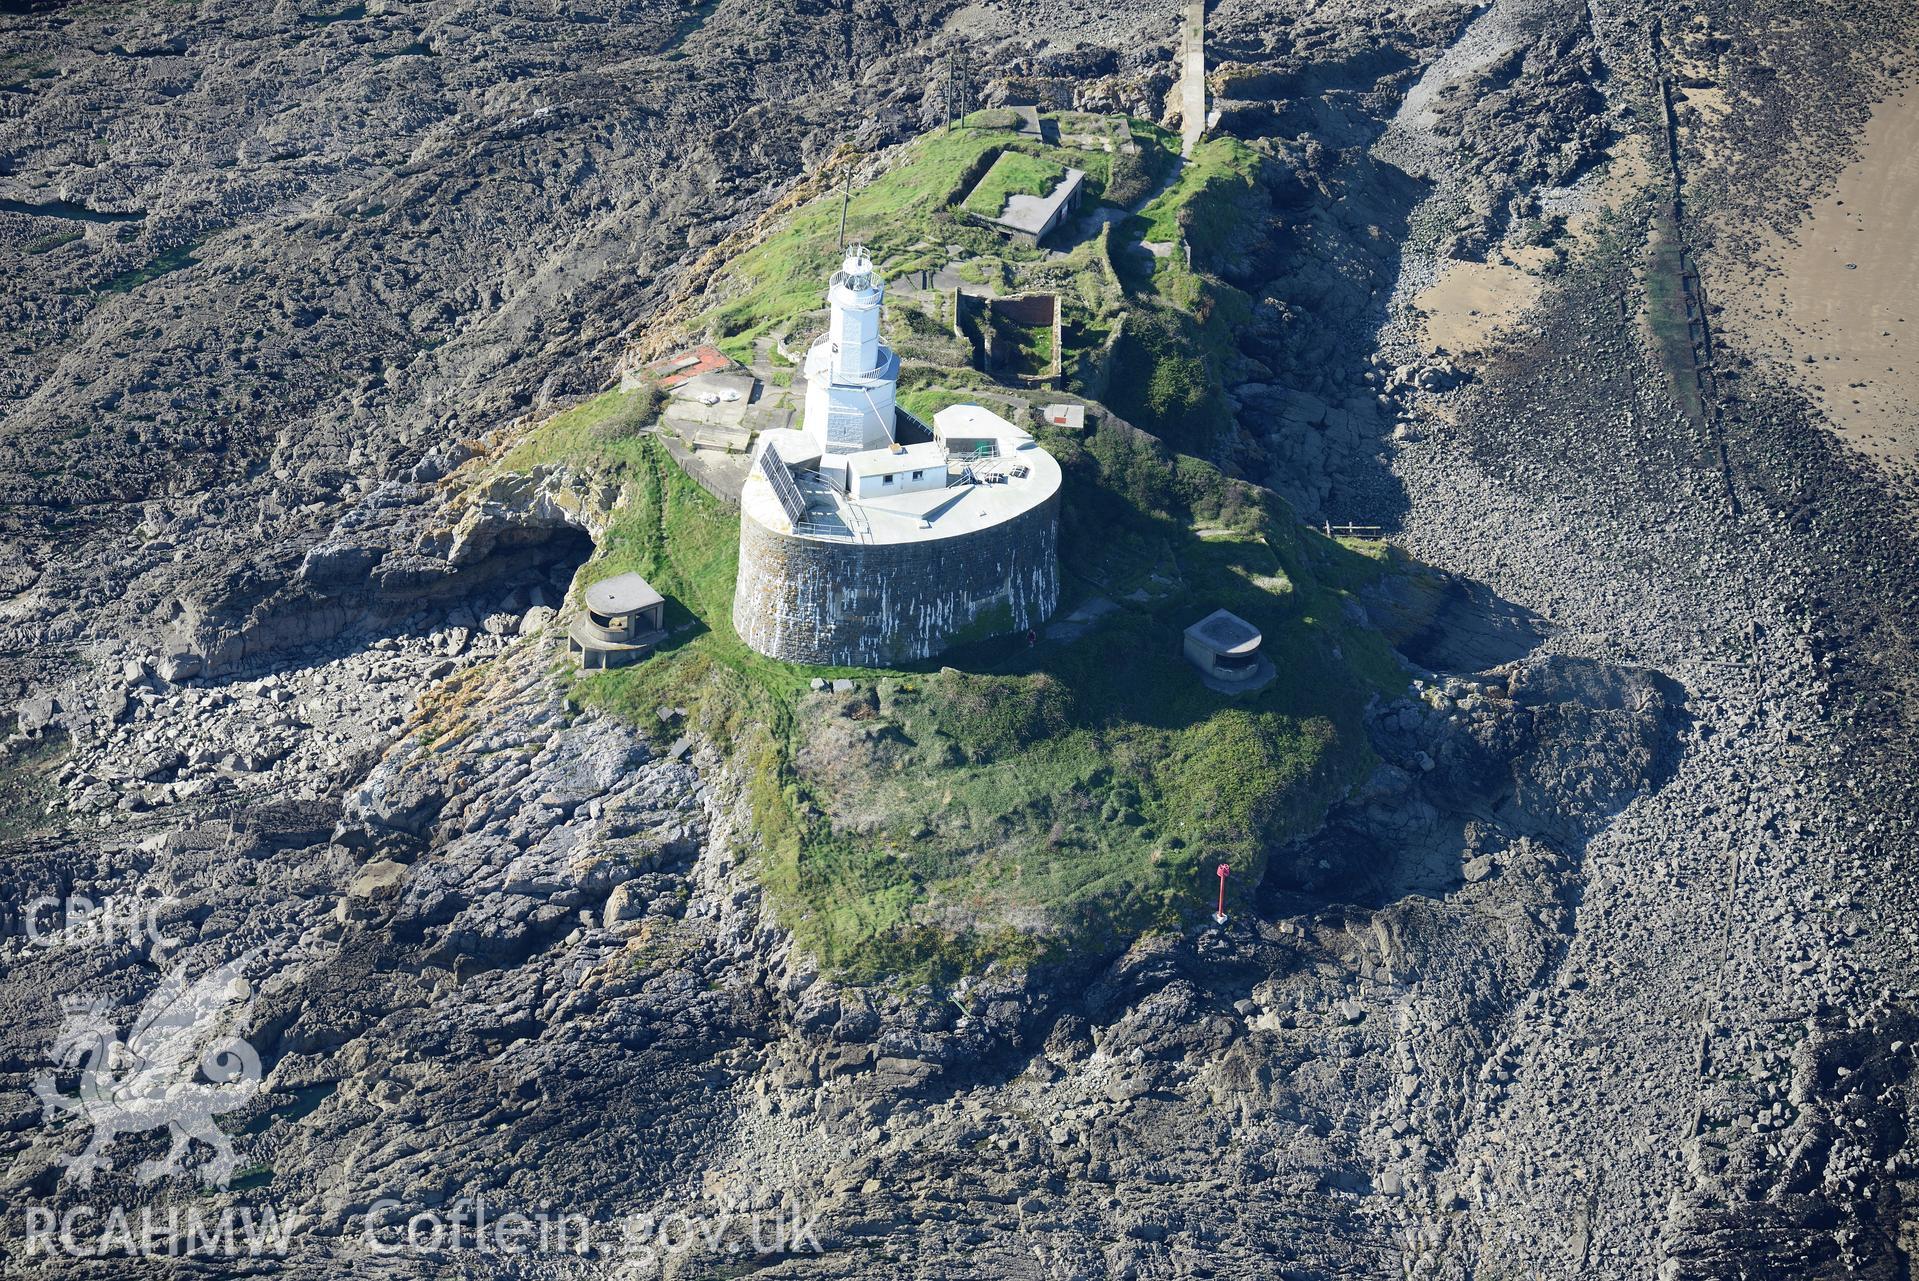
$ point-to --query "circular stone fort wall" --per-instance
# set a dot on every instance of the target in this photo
(849, 604)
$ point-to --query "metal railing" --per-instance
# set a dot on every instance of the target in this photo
(837, 520)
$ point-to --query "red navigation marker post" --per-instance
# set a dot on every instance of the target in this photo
(1219, 917)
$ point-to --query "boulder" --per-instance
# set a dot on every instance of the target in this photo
(159, 766)
(904, 1073)
(401, 800)
(377, 880)
(180, 666)
(625, 903)
(36, 714)
(1304, 409)
(334, 566)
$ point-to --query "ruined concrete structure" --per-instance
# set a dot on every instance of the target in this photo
(868, 538)
(1029, 219)
(993, 325)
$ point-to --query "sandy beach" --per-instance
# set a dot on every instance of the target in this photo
(1469, 305)
(1838, 302)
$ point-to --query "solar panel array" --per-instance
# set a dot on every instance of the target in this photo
(774, 468)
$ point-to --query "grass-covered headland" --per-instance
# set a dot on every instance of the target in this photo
(1011, 800)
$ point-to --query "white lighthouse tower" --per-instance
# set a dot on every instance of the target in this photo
(851, 375)
(858, 548)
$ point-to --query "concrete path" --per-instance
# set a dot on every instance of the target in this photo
(1080, 621)
(1192, 82)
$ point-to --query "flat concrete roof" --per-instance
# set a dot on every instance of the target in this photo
(998, 493)
(761, 416)
(880, 462)
(621, 594)
(1225, 633)
(1034, 214)
(793, 445)
(1071, 417)
(677, 368)
(976, 422)
(732, 439)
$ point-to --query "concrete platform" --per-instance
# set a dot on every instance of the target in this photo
(768, 415)
(1034, 216)
(596, 655)
(688, 418)
(995, 493)
(1070, 417)
(739, 382)
(719, 473)
(731, 440)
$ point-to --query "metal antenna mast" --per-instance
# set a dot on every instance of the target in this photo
(846, 198)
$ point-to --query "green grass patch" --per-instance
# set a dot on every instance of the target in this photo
(784, 276)
(172, 260)
(996, 119)
(1164, 380)
(1138, 168)
(588, 433)
(53, 240)
(1667, 315)
(28, 784)
(925, 401)
(351, 13)
(1014, 173)
(1182, 320)
(909, 218)
(18, 70)
(1035, 346)
(1201, 204)
(252, 1178)
(1063, 798)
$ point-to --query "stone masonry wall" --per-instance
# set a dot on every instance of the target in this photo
(868, 605)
